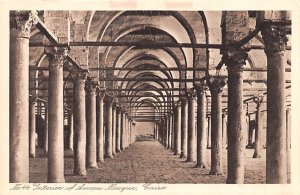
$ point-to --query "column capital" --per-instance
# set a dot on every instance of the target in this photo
(183, 99)
(178, 103)
(191, 94)
(32, 100)
(100, 92)
(223, 115)
(115, 104)
(201, 88)
(119, 108)
(21, 22)
(235, 60)
(216, 84)
(123, 109)
(258, 100)
(109, 100)
(275, 38)
(80, 78)
(56, 56)
(91, 87)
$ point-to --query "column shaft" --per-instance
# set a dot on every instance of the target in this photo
(118, 131)
(91, 137)
(224, 131)
(56, 117)
(236, 146)
(167, 121)
(170, 131)
(201, 128)
(18, 96)
(122, 138)
(79, 126)
(71, 131)
(178, 130)
(46, 132)
(32, 128)
(184, 117)
(275, 41)
(100, 129)
(114, 130)
(258, 130)
(108, 128)
(208, 145)
(191, 149)
(216, 134)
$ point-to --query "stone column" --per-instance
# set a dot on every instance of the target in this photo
(167, 123)
(155, 131)
(161, 130)
(288, 128)
(91, 137)
(288, 137)
(173, 132)
(114, 121)
(216, 85)
(122, 138)
(108, 128)
(134, 131)
(100, 129)
(177, 128)
(46, 130)
(32, 127)
(126, 131)
(170, 131)
(184, 118)
(130, 131)
(259, 127)
(79, 125)
(236, 147)
(71, 131)
(191, 148)
(275, 40)
(208, 145)
(20, 25)
(201, 127)
(56, 116)
(235, 24)
(249, 131)
(118, 129)
(224, 131)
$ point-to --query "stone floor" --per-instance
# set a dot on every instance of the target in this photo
(148, 162)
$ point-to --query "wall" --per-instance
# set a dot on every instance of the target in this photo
(143, 128)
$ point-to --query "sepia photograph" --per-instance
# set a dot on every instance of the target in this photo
(134, 99)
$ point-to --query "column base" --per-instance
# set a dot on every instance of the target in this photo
(216, 172)
(108, 156)
(92, 165)
(190, 160)
(56, 180)
(31, 155)
(255, 155)
(202, 166)
(100, 160)
(182, 156)
(80, 173)
(118, 151)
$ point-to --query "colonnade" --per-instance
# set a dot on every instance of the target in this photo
(231, 136)
(97, 135)
(86, 119)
